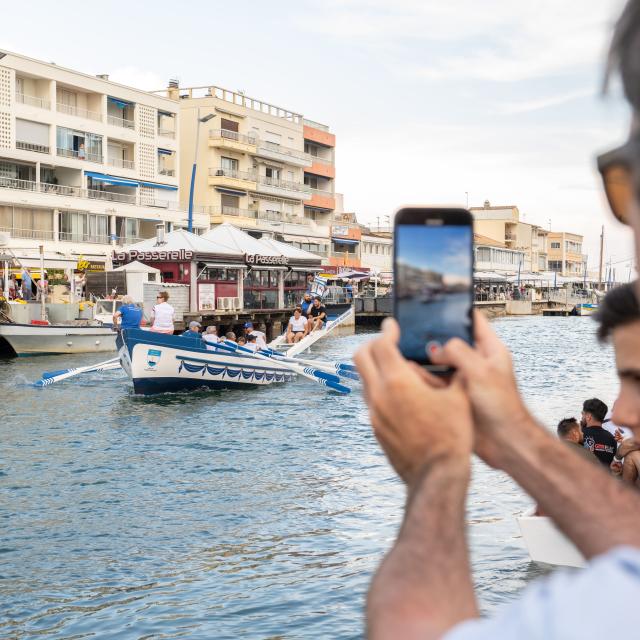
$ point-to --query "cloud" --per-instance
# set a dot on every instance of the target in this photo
(511, 108)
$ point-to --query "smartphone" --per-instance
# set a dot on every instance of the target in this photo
(433, 276)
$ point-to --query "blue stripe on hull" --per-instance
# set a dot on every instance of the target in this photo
(150, 386)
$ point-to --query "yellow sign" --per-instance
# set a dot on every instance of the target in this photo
(87, 265)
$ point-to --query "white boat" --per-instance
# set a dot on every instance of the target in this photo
(104, 309)
(586, 308)
(160, 363)
(38, 339)
(546, 543)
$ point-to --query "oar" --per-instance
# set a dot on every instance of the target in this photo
(343, 369)
(327, 379)
(50, 377)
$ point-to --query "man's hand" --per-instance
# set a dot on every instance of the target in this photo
(487, 373)
(416, 417)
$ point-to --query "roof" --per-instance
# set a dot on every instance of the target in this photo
(230, 236)
(486, 241)
(182, 239)
(289, 250)
(137, 267)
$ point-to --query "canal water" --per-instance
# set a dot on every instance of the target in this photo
(253, 514)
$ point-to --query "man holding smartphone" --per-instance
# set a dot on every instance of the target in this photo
(423, 588)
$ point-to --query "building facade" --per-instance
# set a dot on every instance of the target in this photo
(85, 164)
(376, 252)
(494, 256)
(260, 167)
(565, 254)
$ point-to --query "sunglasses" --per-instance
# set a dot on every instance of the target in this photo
(616, 168)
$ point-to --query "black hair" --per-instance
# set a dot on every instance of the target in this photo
(596, 408)
(619, 307)
(624, 52)
(566, 426)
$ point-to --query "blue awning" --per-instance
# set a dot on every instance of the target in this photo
(231, 192)
(121, 104)
(345, 241)
(165, 152)
(153, 185)
(102, 177)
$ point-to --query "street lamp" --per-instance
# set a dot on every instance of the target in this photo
(206, 118)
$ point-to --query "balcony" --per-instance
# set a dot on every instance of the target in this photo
(83, 237)
(167, 133)
(288, 155)
(232, 178)
(33, 101)
(167, 172)
(30, 146)
(322, 199)
(315, 132)
(28, 234)
(121, 164)
(282, 218)
(73, 153)
(283, 188)
(121, 122)
(80, 113)
(226, 139)
(230, 211)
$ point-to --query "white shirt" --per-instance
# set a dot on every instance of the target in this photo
(163, 314)
(611, 427)
(261, 338)
(211, 338)
(297, 324)
(251, 345)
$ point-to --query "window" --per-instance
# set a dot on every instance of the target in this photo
(66, 97)
(78, 144)
(19, 86)
(483, 254)
(78, 226)
(311, 149)
(229, 125)
(228, 164)
(555, 265)
(230, 204)
(311, 181)
(555, 245)
(273, 173)
(34, 133)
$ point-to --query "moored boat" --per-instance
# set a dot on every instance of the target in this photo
(160, 363)
(586, 308)
(546, 543)
(46, 339)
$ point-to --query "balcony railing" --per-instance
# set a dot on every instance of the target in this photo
(232, 135)
(287, 185)
(166, 133)
(229, 211)
(322, 192)
(73, 153)
(283, 218)
(121, 163)
(128, 240)
(30, 146)
(30, 234)
(121, 122)
(319, 160)
(315, 125)
(83, 237)
(33, 101)
(284, 152)
(232, 173)
(79, 192)
(166, 172)
(76, 111)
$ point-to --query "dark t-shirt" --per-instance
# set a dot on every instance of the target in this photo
(317, 311)
(601, 443)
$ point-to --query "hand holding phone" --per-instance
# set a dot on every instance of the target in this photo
(433, 276)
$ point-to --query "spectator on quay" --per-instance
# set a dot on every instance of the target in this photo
(129, 314)
(193, 331)
(163, 315)
(27, 284)
(596, 439)
(569, 431)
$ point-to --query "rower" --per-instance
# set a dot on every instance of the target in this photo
(129, 314)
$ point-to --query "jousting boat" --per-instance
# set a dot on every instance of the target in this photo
(160, 363)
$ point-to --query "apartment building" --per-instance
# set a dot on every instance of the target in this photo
(503, 224)
(260, 167)
(565, 254)
(86, 164)
(494, 256)
(376, 251)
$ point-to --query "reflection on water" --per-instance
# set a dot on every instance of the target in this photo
(234, 513)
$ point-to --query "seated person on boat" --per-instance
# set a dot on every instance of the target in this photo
(261, 338)
(163, 314)
(229, 337)
(242, 341)
(193, 331)
(211, 337)
(306, 304)
(317, 314)
(298, 326)
(252, 342)
(130, 315)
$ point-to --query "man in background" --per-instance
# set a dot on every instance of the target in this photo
(569, 431)
(595, 438)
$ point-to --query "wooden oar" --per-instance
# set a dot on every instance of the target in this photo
(50, 377)
(321, 377)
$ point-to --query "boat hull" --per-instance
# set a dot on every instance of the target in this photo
(545, 543)
(586, 309)
(34, 340)
(158, 363)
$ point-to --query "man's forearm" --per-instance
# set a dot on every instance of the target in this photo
(597, 512)
(423, 587)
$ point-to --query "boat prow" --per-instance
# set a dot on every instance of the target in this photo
(546, 543)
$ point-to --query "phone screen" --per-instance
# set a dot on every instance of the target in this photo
(434, 289)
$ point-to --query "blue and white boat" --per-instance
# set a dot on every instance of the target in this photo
(160, 363)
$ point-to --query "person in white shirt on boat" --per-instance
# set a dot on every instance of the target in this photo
(298, 327)
(251, 342)
(163, 315)
(261, 338)
(210, 336)
(423, 588)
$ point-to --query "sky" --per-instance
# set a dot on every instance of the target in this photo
(431, 101)
(445, 250)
